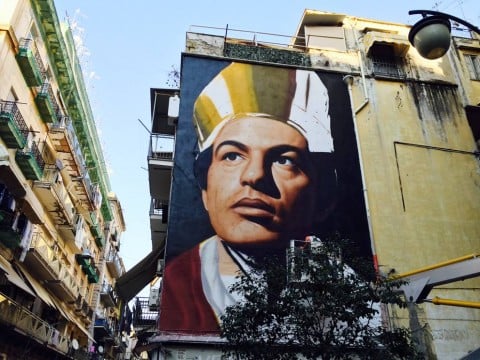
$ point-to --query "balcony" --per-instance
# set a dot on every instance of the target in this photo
(72, 233)
(9, 236)
(24, 321)
(13, 129)
(46, 103)
(45, 259)
(160, 164)
(96, 230)
(55, 198)
(30, 62)
(158, 221)
(107, 295)
(12, 226)
(66, 287)
(82, 308)
(88, 267)
(92, 273)
(30, 162)
(143, 317)
(67, 146)
(114, 265)
(103, 329)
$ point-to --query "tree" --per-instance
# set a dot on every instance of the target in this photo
(314, 306)
(173, 80)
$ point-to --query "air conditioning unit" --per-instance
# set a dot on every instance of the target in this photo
(153, 299)
(173, 109)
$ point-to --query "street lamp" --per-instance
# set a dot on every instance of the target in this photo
(431, 35)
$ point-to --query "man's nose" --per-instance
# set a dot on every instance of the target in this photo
(253, 172)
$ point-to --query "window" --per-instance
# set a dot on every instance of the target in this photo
(385, 63)
(325, 37)
(473, 66)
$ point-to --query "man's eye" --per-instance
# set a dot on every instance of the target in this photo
(231, 156)
(285, 160)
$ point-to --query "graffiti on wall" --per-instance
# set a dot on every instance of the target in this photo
(264, 155)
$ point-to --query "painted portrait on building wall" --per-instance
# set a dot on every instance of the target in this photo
(264, 155)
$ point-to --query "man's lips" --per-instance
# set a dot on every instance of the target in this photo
(254, 208)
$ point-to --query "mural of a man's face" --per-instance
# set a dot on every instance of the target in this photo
(259, 184)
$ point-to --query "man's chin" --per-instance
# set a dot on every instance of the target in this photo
(257, 243)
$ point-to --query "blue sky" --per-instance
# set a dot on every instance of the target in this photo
(130, 47)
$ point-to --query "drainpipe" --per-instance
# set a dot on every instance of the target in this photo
(348, 79)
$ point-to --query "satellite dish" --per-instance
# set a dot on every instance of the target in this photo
(100, 349)
(75, 344)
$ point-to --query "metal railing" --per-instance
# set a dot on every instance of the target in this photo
(10, 107)
(161, 146)
(29, 44)
(47, 90)
(142, 315)
(14, 314)
(51, 176)
(33, 150)
(255, 37)
(160, 208)
(54, 261)
(38, 156)
(114, 264)
(388, 66)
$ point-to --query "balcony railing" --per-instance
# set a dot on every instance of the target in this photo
(56, 198)
(47, 261)
(13, 129)
(68, 147)
(142, 315)
(27, 322)
(113, 264)
(388, 66)
(47, 104)
(103, 329)
(107, 295)
(12, 227)
(30, 62)
(67, 288)
(30, 161)
(43, 257)
(96, 230)
(82, 308)
(160, 208)
(161, 147)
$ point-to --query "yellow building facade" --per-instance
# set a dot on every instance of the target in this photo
(417, 127)
(60, 224)
(416, 123)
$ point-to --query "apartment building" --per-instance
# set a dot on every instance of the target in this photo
(60, 222)
(405, 141)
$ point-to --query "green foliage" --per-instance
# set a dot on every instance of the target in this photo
(173, 80)
(315, 307)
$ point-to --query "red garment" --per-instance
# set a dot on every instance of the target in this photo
(184, 308)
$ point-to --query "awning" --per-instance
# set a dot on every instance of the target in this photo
(134, 280)
(13, 276)
(37, 287)
(400, 45)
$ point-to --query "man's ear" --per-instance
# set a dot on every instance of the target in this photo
(204, 199)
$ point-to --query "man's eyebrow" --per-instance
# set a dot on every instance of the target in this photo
(286, 147)
(234, 143)
(277, 149)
